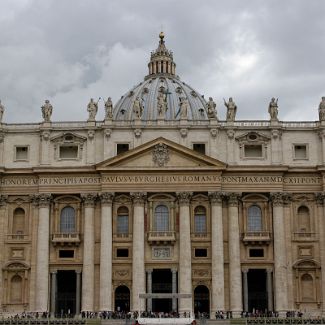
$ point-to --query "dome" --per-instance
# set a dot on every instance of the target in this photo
(162, 95)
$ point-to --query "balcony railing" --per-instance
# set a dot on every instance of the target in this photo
(256, 237)
(122, 236)
(72, 238)
(161, 237)
(17, 237)
(304, 236)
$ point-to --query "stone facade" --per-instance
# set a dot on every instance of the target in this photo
(94, 214)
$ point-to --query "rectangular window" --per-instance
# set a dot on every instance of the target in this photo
(253, 151)
(66, 253)
(256, 252)
(200, 224)
(122, 252)
(122, 224)
(122, 147)
(68, 152)
(300, 151)
(21, 153)
(201, 252)
(199, 147)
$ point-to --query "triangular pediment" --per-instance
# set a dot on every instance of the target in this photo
(161, 154)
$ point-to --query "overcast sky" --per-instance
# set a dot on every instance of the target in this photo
(70, 50)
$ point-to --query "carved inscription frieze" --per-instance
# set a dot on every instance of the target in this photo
(161, 253)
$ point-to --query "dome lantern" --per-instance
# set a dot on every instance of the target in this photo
(161, 60)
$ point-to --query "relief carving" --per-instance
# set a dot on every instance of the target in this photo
(160, 154)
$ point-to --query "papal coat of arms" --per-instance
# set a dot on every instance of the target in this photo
(160, 154)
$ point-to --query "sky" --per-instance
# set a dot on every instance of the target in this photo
(71, 51)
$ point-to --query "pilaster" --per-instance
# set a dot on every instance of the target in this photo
(3, 211)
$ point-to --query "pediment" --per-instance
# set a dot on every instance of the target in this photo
(68, 137)
(253, 137)
(161, 154)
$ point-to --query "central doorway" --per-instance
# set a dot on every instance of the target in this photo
(162, 283)
(257, 292)
(66, 293)
(122, 299)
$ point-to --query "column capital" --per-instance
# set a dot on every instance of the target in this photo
(3, 199)
(89, 199)
(216, 197)
(106, 197)
(42, 200)
(54, 271)
(233, 199)
(269, 270)
(184, 197)
(149, 270)
(138, 197)
(173, 270)
(245, 270)
(279, 198)
(319, 197)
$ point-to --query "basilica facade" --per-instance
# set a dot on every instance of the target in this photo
(163, 197)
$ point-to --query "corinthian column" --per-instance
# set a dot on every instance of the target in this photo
(235, 282)
(105, 294)
(280, 258)
(88, 270)
(185, 260)
(3, 214)
(217, 258)
(138, 271)
(42, 258)
(321, 221)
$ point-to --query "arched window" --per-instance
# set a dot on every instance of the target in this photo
(307, 288)
(122, 226)
(254, 220)
(18, 222)
(161, 222)
(200, 220)
(303, 219)
(16, 287)
(68, 220)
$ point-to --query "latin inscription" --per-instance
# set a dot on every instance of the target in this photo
(154, 179)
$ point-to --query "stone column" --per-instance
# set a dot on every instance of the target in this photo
(53, 292)
(185, 259)
(235, 284)
(174, 288)
(245, 289)
(321, 214)
(217, 258)
(105, 280)
(42, 259)
(78, 287)
(3, 217)
(88, 271)
(149, 289)
(269, 289)
(138, 271)
(280, 259)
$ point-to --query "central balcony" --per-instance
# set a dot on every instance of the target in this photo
(161, 237)
(70, 239)
(256, 237)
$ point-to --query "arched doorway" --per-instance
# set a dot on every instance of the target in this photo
(122, 299)
(201, 300)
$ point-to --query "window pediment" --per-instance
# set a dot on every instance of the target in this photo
(68, 138)
(253, 138)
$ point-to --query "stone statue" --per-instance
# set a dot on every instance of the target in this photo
(137, 108)
(273, 109)
(184, 106)
(2, 109)
(321, 110)
(162, 104)
(108, 109)
(231, 109)
(47, 109)
(92, 109)
(211, 108)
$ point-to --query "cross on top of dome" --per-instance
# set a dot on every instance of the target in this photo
(161, 60)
